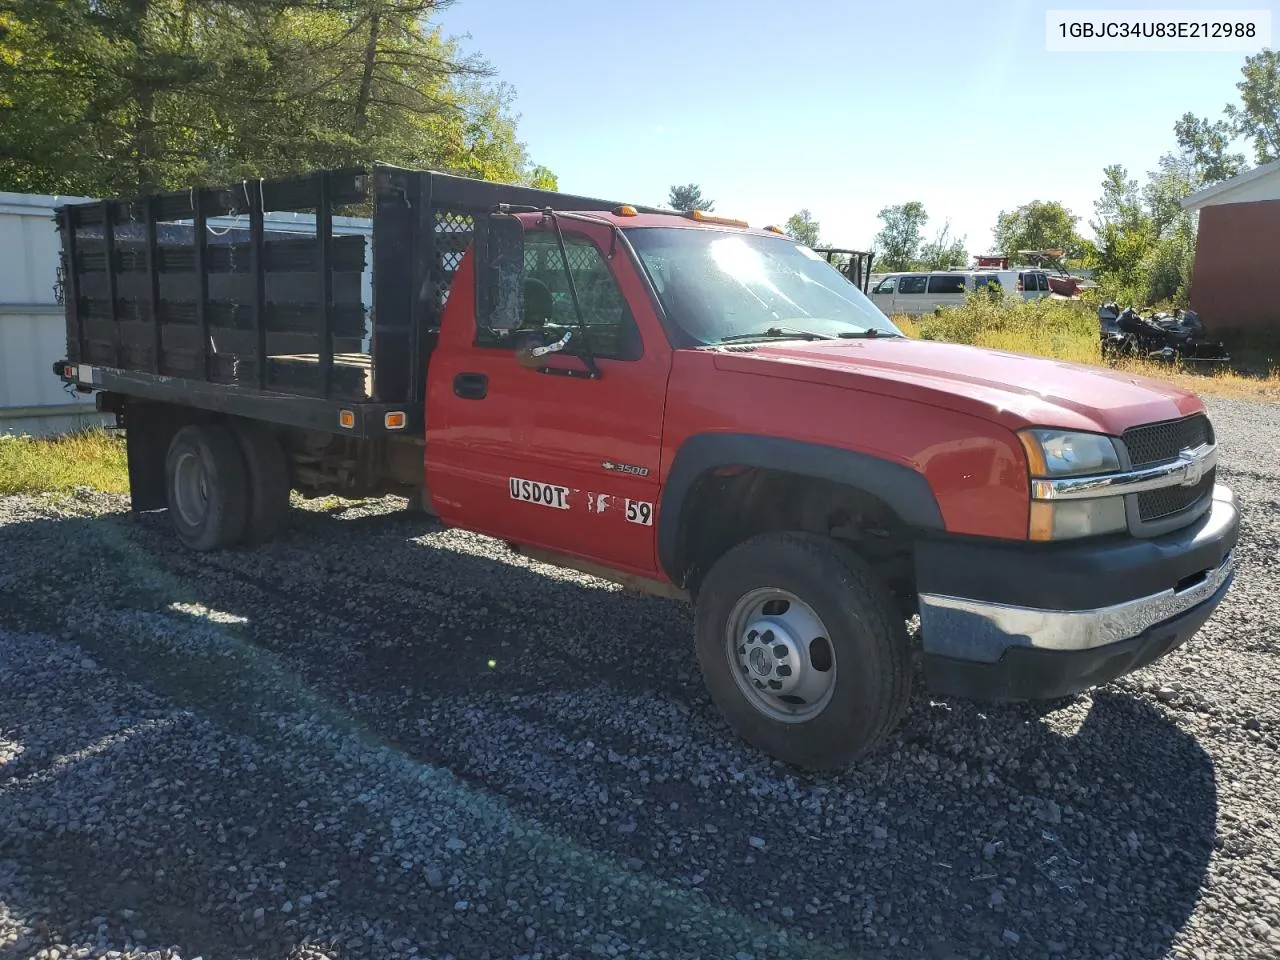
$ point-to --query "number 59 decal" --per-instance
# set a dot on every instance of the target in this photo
(640, 511)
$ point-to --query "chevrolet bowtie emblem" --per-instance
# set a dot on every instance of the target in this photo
(1193, 470)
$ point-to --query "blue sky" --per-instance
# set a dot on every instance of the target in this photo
(838, 106)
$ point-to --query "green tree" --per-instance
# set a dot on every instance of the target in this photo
(1166, 188)
(802, 228)
(354, 81)
(1257, 117)
(490, 148)
(1038, 225)
(1125, 235)
(1146, 240)
(106, 95)
(1205, 148)
(111, 97)
(1120, 201)
(542, 178)
(897, 245)
(688, 198)
(943, 251)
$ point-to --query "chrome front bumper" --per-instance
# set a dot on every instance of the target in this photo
(958, 622)
(1018, 621)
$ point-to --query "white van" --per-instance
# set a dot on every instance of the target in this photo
(915, 293)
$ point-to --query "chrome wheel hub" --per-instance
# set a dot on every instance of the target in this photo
(771, 654)
(780, 655)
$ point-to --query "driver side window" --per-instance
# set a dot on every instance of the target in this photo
(548, 303)
(885, 286)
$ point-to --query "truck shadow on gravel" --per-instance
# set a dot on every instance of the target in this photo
(1083, 828)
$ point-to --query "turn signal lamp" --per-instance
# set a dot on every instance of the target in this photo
(1035, 455)
(704, 217)
(394, 421)
(1040, 525)
(626, 210)
(346, 419)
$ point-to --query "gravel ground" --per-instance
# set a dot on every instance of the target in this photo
(378, 740)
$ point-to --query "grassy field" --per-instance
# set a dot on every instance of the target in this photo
(1069, 331)
(93, 458)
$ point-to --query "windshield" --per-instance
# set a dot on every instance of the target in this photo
(719, 285)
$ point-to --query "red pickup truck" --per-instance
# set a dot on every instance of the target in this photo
(675, 402)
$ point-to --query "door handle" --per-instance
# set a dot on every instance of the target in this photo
(471, 386)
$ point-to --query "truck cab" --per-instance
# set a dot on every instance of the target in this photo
(714, 413)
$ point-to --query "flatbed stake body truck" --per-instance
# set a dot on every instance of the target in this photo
(674, 401)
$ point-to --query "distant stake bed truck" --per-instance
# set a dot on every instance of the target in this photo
(678, 403)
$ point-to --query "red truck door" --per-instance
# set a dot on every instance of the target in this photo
(564, 463)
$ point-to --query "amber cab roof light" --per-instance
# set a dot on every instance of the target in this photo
(703, 217)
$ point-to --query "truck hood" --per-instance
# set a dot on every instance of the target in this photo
(1008, 388)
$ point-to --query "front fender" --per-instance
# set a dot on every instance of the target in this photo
(903, 489)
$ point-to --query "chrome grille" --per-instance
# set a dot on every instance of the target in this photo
(1158, 504)
(1160, 442)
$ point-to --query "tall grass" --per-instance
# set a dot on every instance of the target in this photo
(1067, 330)
(91, 458)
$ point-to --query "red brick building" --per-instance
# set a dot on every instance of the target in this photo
(1235, 284)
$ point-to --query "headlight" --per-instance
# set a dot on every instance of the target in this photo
(1052, 454)
(1060, 453)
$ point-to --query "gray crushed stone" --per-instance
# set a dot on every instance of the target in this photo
(379, 739)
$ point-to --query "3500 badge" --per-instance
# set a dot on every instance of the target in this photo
(545, 494)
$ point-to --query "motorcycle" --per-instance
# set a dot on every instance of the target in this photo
(1162, 338)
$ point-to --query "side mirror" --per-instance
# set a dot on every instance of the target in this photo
(531, 351)
(500, 292)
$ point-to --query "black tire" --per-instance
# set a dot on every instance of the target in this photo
(218, 519)
(269, 482)
(868, 640)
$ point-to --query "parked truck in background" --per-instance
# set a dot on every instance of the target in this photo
(676, 402)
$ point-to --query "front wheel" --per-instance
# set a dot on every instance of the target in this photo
(802, 649)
